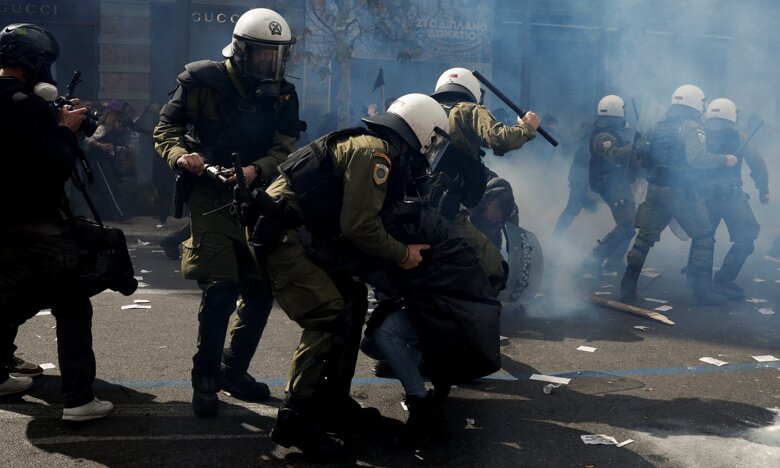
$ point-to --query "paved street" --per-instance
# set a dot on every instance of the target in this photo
(646, 385)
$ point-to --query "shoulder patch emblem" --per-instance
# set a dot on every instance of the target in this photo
(702, 136)
(382, 155)
(606, 144)
(381, 173)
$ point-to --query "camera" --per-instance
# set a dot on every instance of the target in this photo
(91, 119)
(90, 123)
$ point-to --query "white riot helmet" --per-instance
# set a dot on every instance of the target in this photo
(722, 109)
(459, 80)
(420, 121)
(611, 106)
(691, 96)
(262, 43)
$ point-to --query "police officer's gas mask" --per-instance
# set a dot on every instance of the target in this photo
(262, 65)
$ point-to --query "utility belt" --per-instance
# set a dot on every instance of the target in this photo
(723, 190)
(667, 176)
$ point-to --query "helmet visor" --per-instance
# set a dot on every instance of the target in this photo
(261, 61)
(436, 147)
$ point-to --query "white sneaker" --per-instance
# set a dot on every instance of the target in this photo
(15, 385)
(95, 409)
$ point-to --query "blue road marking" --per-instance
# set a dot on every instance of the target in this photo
(501, 375)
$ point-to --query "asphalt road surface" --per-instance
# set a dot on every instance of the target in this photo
(647, 385)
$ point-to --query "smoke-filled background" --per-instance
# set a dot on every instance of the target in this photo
(557, 58)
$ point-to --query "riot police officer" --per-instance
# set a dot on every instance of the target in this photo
(677, 154)
(244, 105)
(723, 194)
(338, 186)
(613, 152)
(461, 177)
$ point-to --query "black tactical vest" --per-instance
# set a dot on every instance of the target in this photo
(244, 125)
(600, 171)
(667, 147)
(726, 142)
(309, 172)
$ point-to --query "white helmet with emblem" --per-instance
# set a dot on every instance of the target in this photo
(459, 80)
(261, 45)
(611, 106)
(420, 121)
(691, 96)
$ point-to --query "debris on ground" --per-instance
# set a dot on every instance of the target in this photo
(550, 378)
(598, 439)
(710, 360)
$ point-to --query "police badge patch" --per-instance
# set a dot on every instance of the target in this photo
(275, 27)
(381, 173)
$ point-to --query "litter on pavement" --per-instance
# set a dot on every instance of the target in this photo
(652, 299)
(767, 358)
(598, 439)
(550, 378)
(714, 361)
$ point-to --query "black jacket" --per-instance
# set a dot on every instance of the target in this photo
(37, 156)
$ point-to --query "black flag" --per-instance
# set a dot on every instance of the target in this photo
(379, 81)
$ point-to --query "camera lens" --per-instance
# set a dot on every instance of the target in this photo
(90, 123)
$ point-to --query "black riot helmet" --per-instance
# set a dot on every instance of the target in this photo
(30, 47)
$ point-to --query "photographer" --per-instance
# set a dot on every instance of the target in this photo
(34, 248)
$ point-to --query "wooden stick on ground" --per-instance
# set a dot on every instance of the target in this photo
(632, 310)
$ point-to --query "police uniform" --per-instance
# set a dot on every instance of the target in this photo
(609, 172)
(463, 175)
(725, 199)
(338, 185)
(677, 152)
(225, 117)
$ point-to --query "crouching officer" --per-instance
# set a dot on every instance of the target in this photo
(243, 105)
(723, 194)
(461, 177)
(614, 151)
(337, 187)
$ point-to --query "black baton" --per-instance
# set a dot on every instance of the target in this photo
(511, 104)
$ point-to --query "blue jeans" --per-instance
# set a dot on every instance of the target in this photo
(396, 342)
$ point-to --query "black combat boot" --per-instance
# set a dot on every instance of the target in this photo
(238, 383)
(294, 429)
(629, 282)
(727, 287)
(205, 403)
(344, 416)
(703, 293)
(732, 265)
(424, 422)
